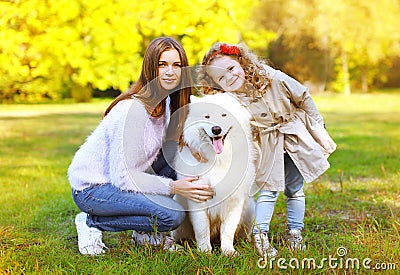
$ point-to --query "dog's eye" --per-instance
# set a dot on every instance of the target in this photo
(207, 116)
(223, 115)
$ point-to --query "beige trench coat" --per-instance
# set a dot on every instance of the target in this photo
(286, 119)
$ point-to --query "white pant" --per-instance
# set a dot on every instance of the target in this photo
(294, 184)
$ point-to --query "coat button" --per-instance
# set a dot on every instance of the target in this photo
(263, 114)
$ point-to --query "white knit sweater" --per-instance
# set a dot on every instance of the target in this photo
(120, 149)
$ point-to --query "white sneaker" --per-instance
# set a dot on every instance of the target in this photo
(89, 238)
(293, 236)
(263, 246)
(155, 239)
(170, 245)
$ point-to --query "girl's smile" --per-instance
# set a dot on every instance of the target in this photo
(227, 73)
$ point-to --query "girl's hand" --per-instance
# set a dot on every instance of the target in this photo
(192, 191)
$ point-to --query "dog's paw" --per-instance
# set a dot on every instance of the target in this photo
(205, 249)
(230, 253)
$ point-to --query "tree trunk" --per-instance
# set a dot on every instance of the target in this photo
(346, 78)
(364, 80)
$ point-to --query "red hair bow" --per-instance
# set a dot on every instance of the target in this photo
(229, 49)
(225, 49)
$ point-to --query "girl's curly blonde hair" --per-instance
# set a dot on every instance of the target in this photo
(257, 79)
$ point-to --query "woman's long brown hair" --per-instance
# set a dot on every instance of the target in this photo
(147, 88)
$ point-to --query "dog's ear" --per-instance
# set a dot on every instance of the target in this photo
(194, 99)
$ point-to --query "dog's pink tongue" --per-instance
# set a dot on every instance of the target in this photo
(218, 145)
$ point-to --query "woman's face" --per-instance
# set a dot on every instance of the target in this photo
(227, 73)
(169, 69)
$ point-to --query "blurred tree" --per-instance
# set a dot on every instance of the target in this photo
(355, 38)
(67, 48)
(362, 35)
(296, 49)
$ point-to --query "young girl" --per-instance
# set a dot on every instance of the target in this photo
(289, 132)
(111, 174)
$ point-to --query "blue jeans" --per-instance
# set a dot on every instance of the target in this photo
(111, 209)
(294, 184)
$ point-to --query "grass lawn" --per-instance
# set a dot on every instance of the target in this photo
(352, 217)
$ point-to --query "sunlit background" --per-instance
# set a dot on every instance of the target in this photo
(78, 49)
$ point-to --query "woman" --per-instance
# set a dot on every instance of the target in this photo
(288, 129)
(111, 176)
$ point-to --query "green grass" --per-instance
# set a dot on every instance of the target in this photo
(354, 205)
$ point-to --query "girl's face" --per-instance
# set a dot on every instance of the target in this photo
(227, 73)
(169, 69)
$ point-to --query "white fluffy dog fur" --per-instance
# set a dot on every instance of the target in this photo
(217, 129)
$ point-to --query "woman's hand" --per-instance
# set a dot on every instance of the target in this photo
(192, 191)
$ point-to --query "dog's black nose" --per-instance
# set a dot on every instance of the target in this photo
(216, 130)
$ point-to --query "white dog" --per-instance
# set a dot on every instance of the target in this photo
(217, 146)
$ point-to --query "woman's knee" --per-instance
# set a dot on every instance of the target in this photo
(172, 220)
(174, 216)
(177, 219)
